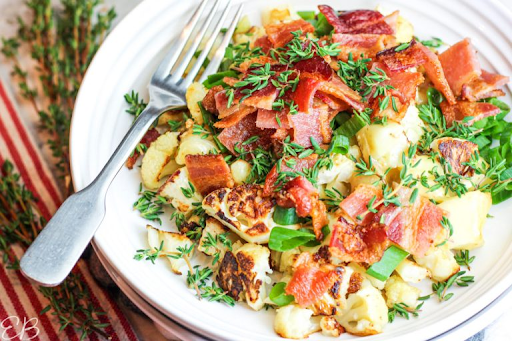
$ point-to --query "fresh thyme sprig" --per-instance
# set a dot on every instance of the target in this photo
(440, 289)
(403, 310)
(62, 44)
(20, 223)
(150, 205)
(464, 259)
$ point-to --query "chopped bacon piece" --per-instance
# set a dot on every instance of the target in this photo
(460, 65)
(280, 34)
(356, 243)
(404, 59)
(315, 67)
(434, 71)
(264, 43)
(414, 226)
(457, 152)
(404, 89)
(209, 99)
(299, 166)
(367, 45)
(303, 95)
(260, 99)
(310, 280)
(365, 21)
(261, 60)
(463, 109)
(208, 173)
(150, 136)
(314, 125)
(484, 87)
(338, 89)
(357, 21)
(236, 117)
(334, 103)
(269, 119)
(357, 202)
(302, 195)
(242, 131)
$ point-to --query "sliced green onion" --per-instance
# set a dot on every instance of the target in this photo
(501, 196)
(351, 127)
(218, 78)
(388, 263)
(434, 96)
(283, 239)
(306, 15)
(339, 144)
(285, 216)
(322, 27)
(481, 141)
(278, 295)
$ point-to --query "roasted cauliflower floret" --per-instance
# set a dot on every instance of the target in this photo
(341, 171)
(158, 160)
(441, 263)
(330, 326)
(210, 235)
(411, 272)
(287, 260)
(366, 312)
(467, 215)
(412, 124)
(425, 170)
(245, 273)
(334, 300)
(195, 93)
(170, 242)
(294, 322)
(456, 152)
(175, 191)
(384, 143)
(397, 291)
(243, 210)
(374, 281)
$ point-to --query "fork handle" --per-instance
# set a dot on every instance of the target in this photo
(58, 247)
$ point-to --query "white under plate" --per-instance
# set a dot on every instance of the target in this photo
(126, 61)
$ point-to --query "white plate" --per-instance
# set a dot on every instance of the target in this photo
(126, 61)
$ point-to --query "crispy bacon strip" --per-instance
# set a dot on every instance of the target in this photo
(310, 280)
(314, 125)
(302, 195)
(332, 18)
(402, 60)
(357, 203)
(236, 117)
(315, 67)
(435, 73)
(463, 109)
(242, 131)
(414, 227)
(338, 89)
(303, 95)
(280, 34)
(364, 44)
(460, 65)
(209, 99)
(269, 119)
(484, 86)
(150, 136)
(299, 166)
(208, 173)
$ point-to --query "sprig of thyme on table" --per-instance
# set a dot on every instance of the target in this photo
(61, 44)
(20, 223)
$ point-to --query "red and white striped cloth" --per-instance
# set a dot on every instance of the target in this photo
(19, 300)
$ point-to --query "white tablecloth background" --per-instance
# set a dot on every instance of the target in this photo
(11, 9)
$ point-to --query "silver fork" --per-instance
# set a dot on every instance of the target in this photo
(58, 247)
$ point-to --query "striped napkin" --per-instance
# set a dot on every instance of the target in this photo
(20, 302)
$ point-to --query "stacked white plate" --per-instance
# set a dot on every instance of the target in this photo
(127, 60)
